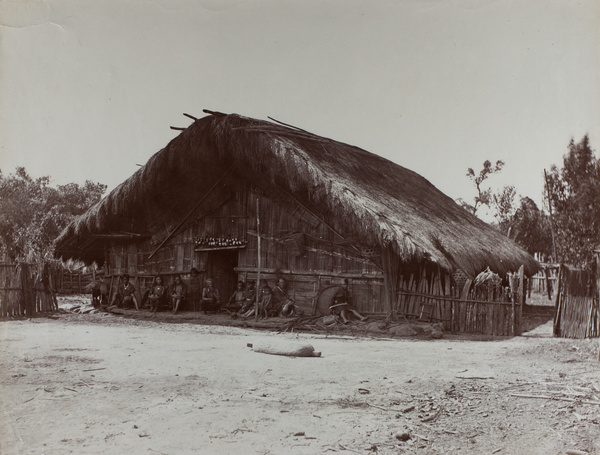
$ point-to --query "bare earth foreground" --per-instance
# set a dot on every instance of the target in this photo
(98, 383)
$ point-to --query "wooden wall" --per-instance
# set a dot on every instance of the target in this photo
(295, 244)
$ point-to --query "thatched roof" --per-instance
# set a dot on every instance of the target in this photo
(377, 201)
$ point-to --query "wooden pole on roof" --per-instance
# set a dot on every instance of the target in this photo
(258, 264)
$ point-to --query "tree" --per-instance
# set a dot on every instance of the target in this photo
(573, 194)
(503, 203)
(34, 213)
(484, 196)
(525, 224)
(530, 228)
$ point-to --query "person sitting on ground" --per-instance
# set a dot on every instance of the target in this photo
(249, 299)
(157, 293)
(237, 299)
(210, 297)
(264, 304)
(340, 305)
(125, 294)
(177, 294)
(282, 304)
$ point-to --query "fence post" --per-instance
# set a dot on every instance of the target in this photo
(523, 297)
(557, 309)
(514, 319)
(597, 331)
(548, 284)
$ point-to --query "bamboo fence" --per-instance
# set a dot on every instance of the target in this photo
(73, 282)
(463, 307)
(26, 290)
(576, 303)
(544, 282)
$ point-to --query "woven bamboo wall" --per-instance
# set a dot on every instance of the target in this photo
(577, 308)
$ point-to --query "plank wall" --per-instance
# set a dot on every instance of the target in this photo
(295, 244)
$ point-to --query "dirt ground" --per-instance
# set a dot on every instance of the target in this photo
(112, 384)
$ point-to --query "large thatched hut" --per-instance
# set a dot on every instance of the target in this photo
(324, 211)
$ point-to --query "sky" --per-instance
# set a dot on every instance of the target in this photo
(88, 90)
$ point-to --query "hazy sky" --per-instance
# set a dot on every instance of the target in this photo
(89, 89)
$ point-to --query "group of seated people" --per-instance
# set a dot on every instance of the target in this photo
(159, 294)
(206, 300)
(272, 302)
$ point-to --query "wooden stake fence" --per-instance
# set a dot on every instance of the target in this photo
(26, 290)
(544, 282)
(77, 282)
(490, 311)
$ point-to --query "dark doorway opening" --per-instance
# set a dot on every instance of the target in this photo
(220, 268)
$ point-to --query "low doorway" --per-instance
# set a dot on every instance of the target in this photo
(220, 267)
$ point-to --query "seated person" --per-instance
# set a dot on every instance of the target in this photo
(157, 293)
(237, 299)
(249, 298)
(341, 306)
(125, 294)
(282, 305)
(267, 306)
(177, 293)
(264, 305)
(210, 297)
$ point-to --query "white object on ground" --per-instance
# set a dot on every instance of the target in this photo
(284, 348)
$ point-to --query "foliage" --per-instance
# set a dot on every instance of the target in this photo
(484, 196)
(34, 213)
(573, 193)
(530, 228)
(503, 202)
(524, 224)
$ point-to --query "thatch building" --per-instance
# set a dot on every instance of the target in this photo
(324, 211)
